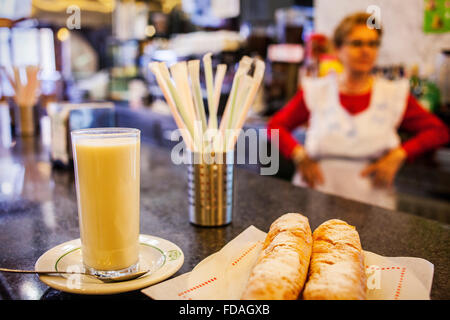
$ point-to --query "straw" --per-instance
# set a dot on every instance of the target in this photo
(200, 125)
(244, 67)
(176, 98)
(232, 106)
(186, 101)
(257, 79)
(156, 68)
(194, 73)
(245, 85)
(218, 80)
(207, 64)
(180, 75)
(227, 119)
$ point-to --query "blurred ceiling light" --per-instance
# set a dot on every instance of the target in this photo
(104, 6)
(150, 31)
(63, 34)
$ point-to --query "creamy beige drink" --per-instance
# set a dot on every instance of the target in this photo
(107, 167)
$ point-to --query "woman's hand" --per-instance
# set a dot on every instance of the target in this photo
(310, 172)
(383, 171)
(308, 168)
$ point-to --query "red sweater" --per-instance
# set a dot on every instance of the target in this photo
(429, 132)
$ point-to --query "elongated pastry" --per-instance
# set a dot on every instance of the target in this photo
(281, 269)
(337, 269)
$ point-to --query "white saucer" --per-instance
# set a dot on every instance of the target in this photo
(161, 257)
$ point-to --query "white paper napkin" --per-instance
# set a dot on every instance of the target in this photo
(224, 274)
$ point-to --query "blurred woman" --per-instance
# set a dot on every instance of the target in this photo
(352, 147)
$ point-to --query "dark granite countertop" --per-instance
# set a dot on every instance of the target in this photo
(42, 212)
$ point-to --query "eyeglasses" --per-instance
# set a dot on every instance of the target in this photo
(359, 43)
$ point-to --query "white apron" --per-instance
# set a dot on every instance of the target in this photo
(345, 144)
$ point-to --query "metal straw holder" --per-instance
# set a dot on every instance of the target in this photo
(211, 188)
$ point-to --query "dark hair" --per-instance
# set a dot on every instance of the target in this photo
(346, 26)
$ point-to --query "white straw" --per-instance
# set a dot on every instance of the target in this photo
(156, 69)
(186, 101)
(179, 75)
(227, 119)
(207, 64)
(244, 67)
(190, 102)
(194, 73)
(257, 79)
(176, 98)
(218, 80)
(245, 84)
